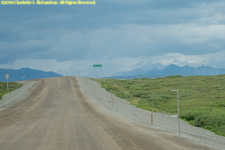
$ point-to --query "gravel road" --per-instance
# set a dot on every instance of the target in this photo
(163, 121)
(60, 114)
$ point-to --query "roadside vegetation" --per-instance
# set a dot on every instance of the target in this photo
(12, 86)
(202, 98)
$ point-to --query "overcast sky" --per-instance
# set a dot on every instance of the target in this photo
(119, 34)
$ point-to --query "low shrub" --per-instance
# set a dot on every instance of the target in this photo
(202, 99)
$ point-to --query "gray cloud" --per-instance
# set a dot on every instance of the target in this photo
(111, 29)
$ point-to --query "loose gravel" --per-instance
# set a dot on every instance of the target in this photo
(123, 107)
(18, 94)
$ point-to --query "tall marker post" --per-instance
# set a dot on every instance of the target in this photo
(96, 66)
(7, 78)
(178, 110)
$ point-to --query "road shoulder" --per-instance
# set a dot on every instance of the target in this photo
(18, 94)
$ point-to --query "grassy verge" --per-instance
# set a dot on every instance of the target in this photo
(202, 99)
(12, 86)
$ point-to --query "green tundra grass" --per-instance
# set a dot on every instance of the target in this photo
(202, 99)
(12, 86)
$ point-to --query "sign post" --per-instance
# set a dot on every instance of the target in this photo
(178, 109)
(96, 66)
(7, 78)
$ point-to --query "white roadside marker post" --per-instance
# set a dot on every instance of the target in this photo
(112, 100)
(178, 110)
(7, 78)
(151, 118)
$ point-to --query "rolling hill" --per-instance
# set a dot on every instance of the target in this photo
(25, 74)
(171, 70)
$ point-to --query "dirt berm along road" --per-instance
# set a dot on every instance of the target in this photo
(57, 115)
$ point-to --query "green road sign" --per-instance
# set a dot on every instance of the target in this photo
(97, 65)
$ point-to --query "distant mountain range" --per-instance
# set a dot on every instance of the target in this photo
(25, 74)
(171, 70)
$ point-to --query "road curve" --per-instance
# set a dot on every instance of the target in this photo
(57, 115)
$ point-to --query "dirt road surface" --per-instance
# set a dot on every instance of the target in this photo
(57, 115)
